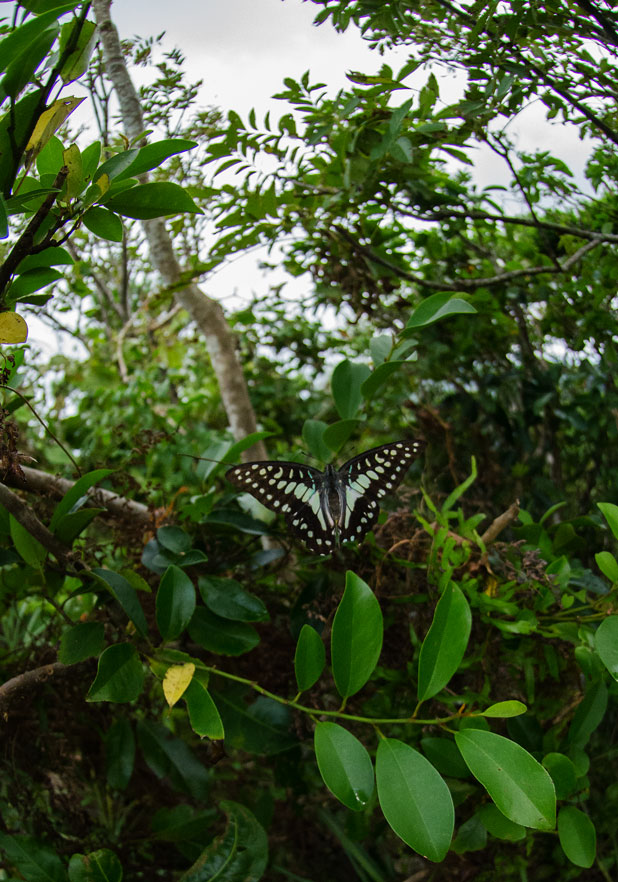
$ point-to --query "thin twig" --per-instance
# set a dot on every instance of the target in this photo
(45, 426)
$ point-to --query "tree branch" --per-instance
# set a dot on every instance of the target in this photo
(29, 521)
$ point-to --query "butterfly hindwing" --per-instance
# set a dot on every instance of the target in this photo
(293, 490)
(367, 478)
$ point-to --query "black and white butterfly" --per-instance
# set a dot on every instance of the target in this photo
(326, 508)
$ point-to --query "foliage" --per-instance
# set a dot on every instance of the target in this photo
(185, 696)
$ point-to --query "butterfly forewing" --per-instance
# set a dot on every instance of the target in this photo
(367, 478)
(293, 490)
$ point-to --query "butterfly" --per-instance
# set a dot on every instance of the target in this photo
(323, 509)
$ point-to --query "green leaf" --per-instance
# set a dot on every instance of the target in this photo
(606, 644)
(152, 200)
(20, 72)
(336, 435)
(52, 256)
(356, 639)
(181, 823)
(498, 825)
(120, 676)
(203, 714)
(34, 861)
(77, 62)
(589, 714)
(153, 155)
(84, 640)
(76, 496)
(505, 709)
(174, 539)
(610, 513)
(28, 548)
(378, 377)
(98, 866)
(346, 383)
(521, 788)
(71, 525)
(563, 774)
(577, 836)
(228, 599)
(309, 658)
(239, 853)
(119, 753)
(124, 593)
(175, 603)
(445, 643)
(222, 636)
(103, 223)
(414, 798)
(262, 727)
(29, 282)
(313, 436)
(444, 754)
(434, 308)
(172, 758)
(344, 764)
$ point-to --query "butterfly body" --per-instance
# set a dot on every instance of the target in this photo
(326, 508)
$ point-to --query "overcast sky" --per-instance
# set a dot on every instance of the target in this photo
(243, 49)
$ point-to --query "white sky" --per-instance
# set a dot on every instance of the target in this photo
(243, 49)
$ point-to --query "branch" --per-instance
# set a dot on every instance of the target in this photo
(467, 284)
(42, 482)
(29, 521)
(11, 689)
(500, 523)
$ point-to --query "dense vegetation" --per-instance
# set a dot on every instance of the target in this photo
(187, 693)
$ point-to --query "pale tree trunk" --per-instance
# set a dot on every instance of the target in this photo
(204, 311)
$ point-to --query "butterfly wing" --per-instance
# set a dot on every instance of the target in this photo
(367, 478)
(294, 490)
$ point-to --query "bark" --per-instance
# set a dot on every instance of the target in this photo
(204, 311)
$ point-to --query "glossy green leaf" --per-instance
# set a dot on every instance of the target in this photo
(346, 382)
(262, 727)
(172, 758)
(444, 754)
(500, 826)
(228, 599)
(203, 714)
(175, 603)
(70, 525)
(124, 593)
(28, 548)
(356, 637)
(589, 714)
(120, 675)
(313, 436)
(434, 308)
(181, 822)
(98, 866)
(563, 773)
(505, 709)
(239, 853)
(337, 434)
(521, 788)
(610, 513)
(153, 155)
(344, 764)
(174, 539)
(221, 636)
(146, 201)
(34, 861)
(21, 70)
(577, 835)
(471, 836)
(119, 753)
(309, 658)
(103, 223)
(31, 281)
(378, 377)
(77, 62)
(84, 640)
(414, 798)
(445, 643)
(75, 497)
(606, 644)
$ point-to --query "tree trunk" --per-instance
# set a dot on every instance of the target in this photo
(205, 312)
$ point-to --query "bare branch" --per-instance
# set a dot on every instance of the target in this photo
(22, 513)
(501, 523)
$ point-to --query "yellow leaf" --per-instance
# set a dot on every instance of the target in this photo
(48, 123)
(13, 328)
(176, 680)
